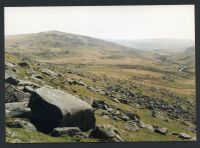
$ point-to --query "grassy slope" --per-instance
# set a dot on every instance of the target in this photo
(110, 71)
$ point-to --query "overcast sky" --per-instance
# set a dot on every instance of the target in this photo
(109, 22)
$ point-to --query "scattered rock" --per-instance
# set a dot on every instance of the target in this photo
(52, 108)
(106, 132)
(20, 123)
(99, 104)
(70, 131)
(28, 83)
(12, 94)
(49, 72)
(161, 130)
(12, 80)
(184, 136)
(7, 64)
(16, 106)
(23, 64)
(26, 113)
(131, 126)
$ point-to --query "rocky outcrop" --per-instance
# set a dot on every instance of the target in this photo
(54, 108)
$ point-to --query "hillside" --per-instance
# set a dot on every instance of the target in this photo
(77, 87)
(55, 44)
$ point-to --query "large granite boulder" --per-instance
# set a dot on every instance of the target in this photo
(54, 108)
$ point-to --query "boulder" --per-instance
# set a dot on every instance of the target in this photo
(23, 64)
(28, 83)
(161, 130)
(49, 72)
(26, 113)
(54, 108)
(131, 126)
(106, 132)
(7, 64)
(99, 104)
(20, 123)
(11, 80)
(16, 106)
(184, 136)
(18, 109)
(70, 131)
(12, 94)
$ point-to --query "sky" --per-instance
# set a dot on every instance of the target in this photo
(106, 22)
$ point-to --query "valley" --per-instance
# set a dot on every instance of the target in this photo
(146, 96)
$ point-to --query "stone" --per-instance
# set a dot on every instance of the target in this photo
(8, 64)
(161, 130)
(49, 72)
(142, 124)
(106, 132)
(28, 83)
(99, 104)
(184, 136)
(70, 131)
(23, 64)
(12, 94)
(26, 113)
(20, 123)
(16, 106)
(131, 126)
(12, 80)
(149, 127)
(55, 108)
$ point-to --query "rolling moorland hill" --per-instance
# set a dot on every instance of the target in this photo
(58, 44)
(134, 95)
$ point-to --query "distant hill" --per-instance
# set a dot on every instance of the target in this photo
(187, 57)
(169, 45)
(59, 44)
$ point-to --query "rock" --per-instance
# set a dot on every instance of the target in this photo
(12, 80)
(184, 136)
(75, 82)
(26, 113)
(20, 123)
(106, 117)
(28, 83)
(149, 127)
(16, 106)
(106, 132)
(133, 116)
(142, 124)
(49, 72)
(161, 130)
(71, 131)
(116, 100)
(7, 64)
(54, 108)
(99, 104)
(23, 64)
(131, 126)
(15, 95)
(37, 77)
(28, 89)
